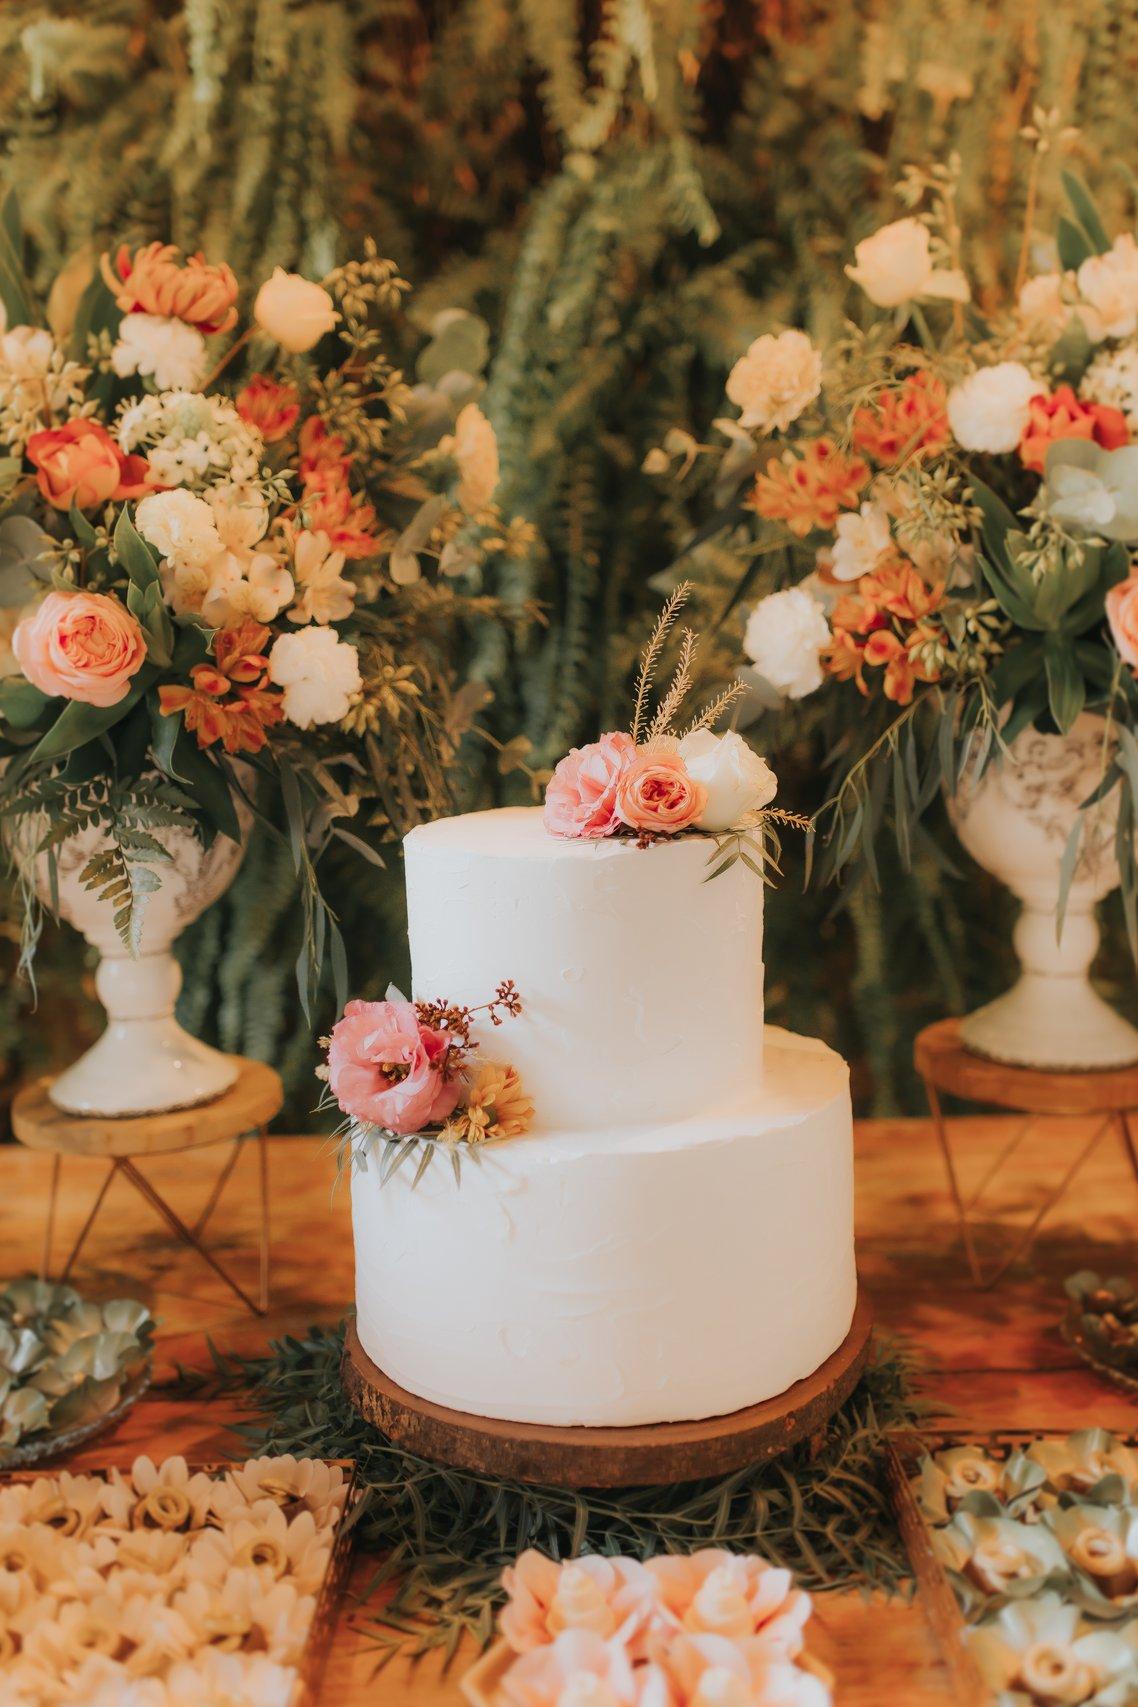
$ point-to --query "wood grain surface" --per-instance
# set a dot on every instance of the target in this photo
(253, 1099)
(992, 1360)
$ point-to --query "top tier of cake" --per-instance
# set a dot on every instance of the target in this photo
(641, 982)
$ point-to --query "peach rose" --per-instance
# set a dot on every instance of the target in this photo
(738, 1596)
(156, 280)
(581, 797)
(83, 646)
(385, 1067)
(1122, 615)
(271, 407)
(657, 793)
(79, 463)
(604, 1596)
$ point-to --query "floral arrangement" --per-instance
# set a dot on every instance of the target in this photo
(713, 1629)
(1041, 1545)
(408, 1077)
(946, 499)
(64, 1363)
(232, 553)
(164, 1587)
(655, 783)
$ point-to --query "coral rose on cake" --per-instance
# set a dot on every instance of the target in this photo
(387, 1068)
(580, 799)
(80, 463)
(294, 311)
(734, 778)
(83, 646)
(657, 794)
(775, 380)
(895, 266)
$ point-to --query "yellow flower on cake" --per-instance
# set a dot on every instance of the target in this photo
(496, 1107)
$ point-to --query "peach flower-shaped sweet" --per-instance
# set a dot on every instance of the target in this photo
(739, 1596)
(84, 646)
(579, 1669)
(80, 463)
(387, 1068)
(712, 1671)
(1122, 615)
(156, 280)
(581, 797)
(546, 1598)
(657, 793)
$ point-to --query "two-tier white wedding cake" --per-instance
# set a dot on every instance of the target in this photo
(673, 1237)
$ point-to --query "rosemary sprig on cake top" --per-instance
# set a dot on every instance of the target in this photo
(664, 778)
(408, 1080)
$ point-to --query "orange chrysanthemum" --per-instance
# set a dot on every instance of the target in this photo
(809, 491)
(905, 423)
(156, 279)
(229, 701)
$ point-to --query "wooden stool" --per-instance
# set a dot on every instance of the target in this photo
(243, 1112)
(945, 1064)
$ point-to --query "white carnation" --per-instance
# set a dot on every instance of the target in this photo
(180, 526)
(169, 352)
(862, 538)
(1112, 378)
(988, 411)
(775, 381)
(1108, 286)
(320, 675)
(785, 634)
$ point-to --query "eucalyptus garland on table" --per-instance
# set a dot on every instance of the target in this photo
(445, 1535)
(236, 567)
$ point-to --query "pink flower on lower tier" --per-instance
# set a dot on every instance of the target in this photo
(713, 1592)
(387, 1068)
(581, 797)
(582, 1669)
(84, 646)
(657, 793)
(711, 1671)
(604, 1596)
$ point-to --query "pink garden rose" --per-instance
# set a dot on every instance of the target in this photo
(605, 1596)
(83, 646)
(738, 1596)
(1122, 614)
(581, 797)
(657, 793)
(385, 1067)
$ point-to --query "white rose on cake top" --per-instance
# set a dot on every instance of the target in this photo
(736, 781)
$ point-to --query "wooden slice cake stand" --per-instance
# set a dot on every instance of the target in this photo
(656, 1454)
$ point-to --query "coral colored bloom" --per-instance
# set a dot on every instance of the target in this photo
(497, 1105)
(319, 448)
(657, 793)
(270, 406)
(232, 701)
(1064, 416)
(350, 526)
(156, 280)
(809, 491)
(905, 423)
(581, 797)
(843, 658)
(84, 646)
(80, 463)
(739, 1596)
(387, 1068)
(1122, 615)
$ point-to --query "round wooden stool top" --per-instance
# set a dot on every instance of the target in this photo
(944, 1061)
(249, 1103)
(655, 1454)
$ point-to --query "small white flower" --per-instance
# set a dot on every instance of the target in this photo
(775, 381)
(862, 538)
(1108, 286)
(988, 411)
(190, 439)
(320, 675)
(26, 352)
(180, 526)
(294, 311)
(38, 385)
(737, 780)
(785, 635)
(474, 446)
(1040, 307)
(244, 583)
(169, 352)
(895, 266)
(323, 593)
(240, 514)
(1112, 378)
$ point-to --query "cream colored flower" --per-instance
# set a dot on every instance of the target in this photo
(264, 1540)
(323, 593)
(294, 311)
(496, 1106)
(240, 514)
(775, 381)
(1040, 307)
(320, 675)
(737, 781)
(545, 1599)
(475, 449)
(1112, 378)
(861, 539)
(167, 351)
(240, 584)
(181, 527)
(290, 1482)
(174, 1472)
(895, 266)
(1108, 287)
(785, 634)
(988, 411)
(1041, 1650)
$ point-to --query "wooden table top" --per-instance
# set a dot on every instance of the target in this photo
(993, 1360)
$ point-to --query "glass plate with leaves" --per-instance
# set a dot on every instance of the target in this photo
(68, 1367)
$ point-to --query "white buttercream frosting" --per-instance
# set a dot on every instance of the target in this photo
(623, 1274)
(641, 982)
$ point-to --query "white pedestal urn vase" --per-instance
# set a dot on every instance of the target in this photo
(144, 1062)
(1015, 822)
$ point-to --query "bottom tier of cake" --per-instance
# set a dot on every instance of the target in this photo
(621, 1277)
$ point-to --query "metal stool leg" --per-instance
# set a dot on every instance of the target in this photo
(178, 1226)
(49, 1230)
(941, 1130)
(263, 1164)
(89, 1223)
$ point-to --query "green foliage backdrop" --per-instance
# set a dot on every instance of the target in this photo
(629, 191)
